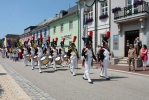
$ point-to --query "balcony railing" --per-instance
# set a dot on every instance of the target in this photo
(132, 10)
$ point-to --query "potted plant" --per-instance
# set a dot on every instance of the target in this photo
(137, 3)
(103, 16)
(116, 9)
(89, 20)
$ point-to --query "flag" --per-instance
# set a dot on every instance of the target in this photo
(11, 42)
(20, 42)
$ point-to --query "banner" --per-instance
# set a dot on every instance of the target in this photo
(9, 44)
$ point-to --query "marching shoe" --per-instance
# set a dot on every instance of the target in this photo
(74, 74)
(40, 71)
(107, 78)
(101, 76)
(32, 68)
(84, 78)
(89, 81)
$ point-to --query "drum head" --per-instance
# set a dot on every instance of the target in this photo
(58, 58)
(50, 56)
(27, 55)
(42, 58)
(35, 57)
(65, 56)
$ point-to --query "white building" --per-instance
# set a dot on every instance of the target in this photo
(101, 23)
(129, 19)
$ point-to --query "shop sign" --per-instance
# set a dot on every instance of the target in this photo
(115, 42)
(68, 36)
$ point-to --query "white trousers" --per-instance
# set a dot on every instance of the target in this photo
(25, 60)
(144, 63)
(54, 63)
(39, 64)
(87, 70)
(104, 69)
(73, 65)
(10, 55)
(32, 62)
(62, 57)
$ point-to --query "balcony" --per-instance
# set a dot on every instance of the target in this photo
(133, 12)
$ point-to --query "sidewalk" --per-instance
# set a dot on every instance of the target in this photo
(9, 89)
(120, 68)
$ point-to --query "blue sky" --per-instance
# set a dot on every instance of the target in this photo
(16, 15)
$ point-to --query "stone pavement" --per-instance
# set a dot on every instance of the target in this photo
(34, 92)
(9, 89)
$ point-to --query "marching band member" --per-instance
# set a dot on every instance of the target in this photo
(48, 49)
(54, 53)
(104, 59)
(10, 53)
(32, 54)
(62, 51)
(88, 56)
(25, 52)
(73, 57)
(40, 52)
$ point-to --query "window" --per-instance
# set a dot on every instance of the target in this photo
(70, 25)
(45, 32)
(40, 31)
(90, 14)
(54, 29)
(130, 4)
(104, 8)
(62, 27)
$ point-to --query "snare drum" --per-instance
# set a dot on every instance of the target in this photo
(66, 58)
(44, 60)
(28, 57)
(58, 61)
(35, 59)
(50, 58)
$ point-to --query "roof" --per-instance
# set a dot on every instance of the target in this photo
(71, 11)
(12, 35)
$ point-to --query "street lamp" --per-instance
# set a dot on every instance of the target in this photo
(96, 18)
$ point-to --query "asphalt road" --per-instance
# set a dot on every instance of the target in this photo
(61, 85)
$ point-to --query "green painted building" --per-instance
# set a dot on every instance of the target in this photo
(65, 24)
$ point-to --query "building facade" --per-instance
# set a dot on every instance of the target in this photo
(65, 25)
(129, 19)
(11, 37)
(97, 19)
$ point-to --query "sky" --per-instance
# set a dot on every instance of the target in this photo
(16, 15)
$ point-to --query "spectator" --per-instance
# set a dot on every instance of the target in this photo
(127, 48)
(139, 44)
(131, 57)
(144, 56)
(136, 46)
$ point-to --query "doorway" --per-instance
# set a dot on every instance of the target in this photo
(130, 35)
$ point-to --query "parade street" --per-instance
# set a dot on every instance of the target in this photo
(62, 85)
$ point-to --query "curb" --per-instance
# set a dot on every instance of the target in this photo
(95, 67)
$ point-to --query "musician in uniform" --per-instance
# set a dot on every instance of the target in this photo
(25, 52)
(39, 54)
(32, 53)
(48, 49)
(104, 58)
(88, 55)
(54, 53)
(73, 57)
(62, 51)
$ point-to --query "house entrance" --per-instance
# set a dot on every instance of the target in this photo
(130, 35)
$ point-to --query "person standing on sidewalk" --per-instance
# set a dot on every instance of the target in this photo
(144, 56)
(131, 57)
(88, 56)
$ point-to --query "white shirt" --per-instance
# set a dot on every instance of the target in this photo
(32, 51)
(25, 52)
(40, 52)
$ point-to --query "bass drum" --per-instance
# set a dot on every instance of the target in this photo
(66, 58)
(58, 61)
(44, 60)
(28, 57)
(50, 58)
